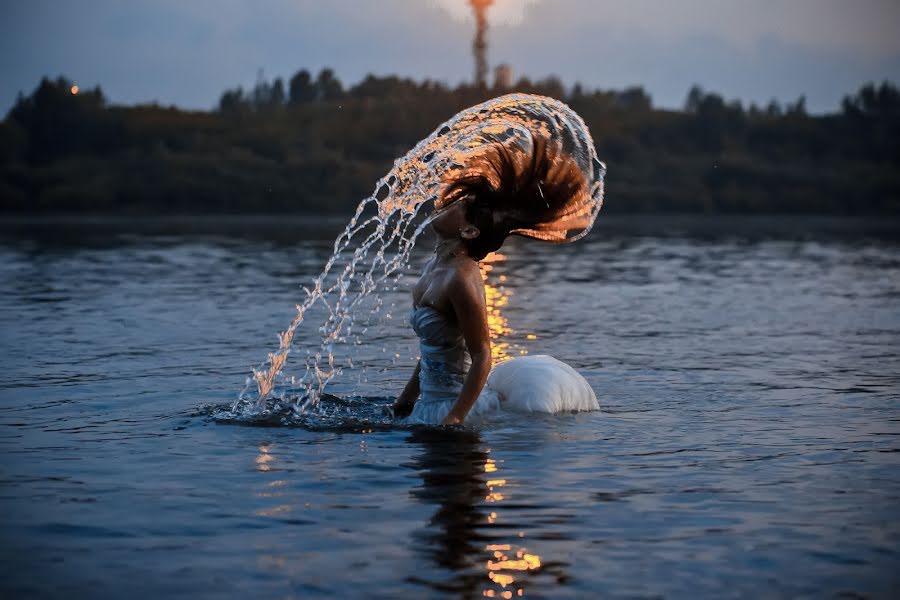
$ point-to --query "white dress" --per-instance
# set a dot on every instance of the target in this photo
(538, 383)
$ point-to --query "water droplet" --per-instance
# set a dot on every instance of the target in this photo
(375, 246)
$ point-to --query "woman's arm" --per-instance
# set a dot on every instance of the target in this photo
(409, 395)
(467, 298)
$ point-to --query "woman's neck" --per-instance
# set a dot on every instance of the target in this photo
(449, 249)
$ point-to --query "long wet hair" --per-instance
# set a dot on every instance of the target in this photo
(510, 191)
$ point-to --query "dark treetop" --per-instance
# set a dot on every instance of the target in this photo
(311, 144)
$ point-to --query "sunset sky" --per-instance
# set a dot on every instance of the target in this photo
(188, 52)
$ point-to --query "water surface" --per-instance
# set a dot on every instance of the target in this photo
(747, 446)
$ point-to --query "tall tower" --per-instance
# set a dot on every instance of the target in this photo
(479, 45)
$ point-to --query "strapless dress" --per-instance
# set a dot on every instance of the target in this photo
(537, 383)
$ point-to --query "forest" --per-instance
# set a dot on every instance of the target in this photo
(312, 144)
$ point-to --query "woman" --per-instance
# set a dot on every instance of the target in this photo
(504, 190)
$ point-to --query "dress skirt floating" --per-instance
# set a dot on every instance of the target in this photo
(538, 383)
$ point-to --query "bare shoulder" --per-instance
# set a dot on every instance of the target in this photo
(466, 271)
(466, 280)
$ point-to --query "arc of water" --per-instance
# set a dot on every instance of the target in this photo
(414, 181)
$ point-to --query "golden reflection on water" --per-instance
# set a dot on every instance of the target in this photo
(275, 510)
(472, 534)
(506, 561)
(497, 297)
(264, 463)
(264, 458)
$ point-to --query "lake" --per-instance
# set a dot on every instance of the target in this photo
(748, 370)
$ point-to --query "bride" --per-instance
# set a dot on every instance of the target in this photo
(537, 192)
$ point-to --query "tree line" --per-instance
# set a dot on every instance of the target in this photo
(314, 144)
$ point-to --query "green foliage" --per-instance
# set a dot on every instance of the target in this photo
(314, 145)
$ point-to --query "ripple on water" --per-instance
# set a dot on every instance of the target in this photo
(748, 443)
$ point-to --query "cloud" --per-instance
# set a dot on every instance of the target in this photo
(188, 52)
(501, 12)
(617, 49)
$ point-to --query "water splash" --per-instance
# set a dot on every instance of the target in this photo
(374, 248)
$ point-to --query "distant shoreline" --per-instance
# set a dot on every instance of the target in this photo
(320, 149)
(324, 226)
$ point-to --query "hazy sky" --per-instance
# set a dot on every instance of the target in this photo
(187, 52)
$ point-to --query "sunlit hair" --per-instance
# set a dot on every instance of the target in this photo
(537, 193)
